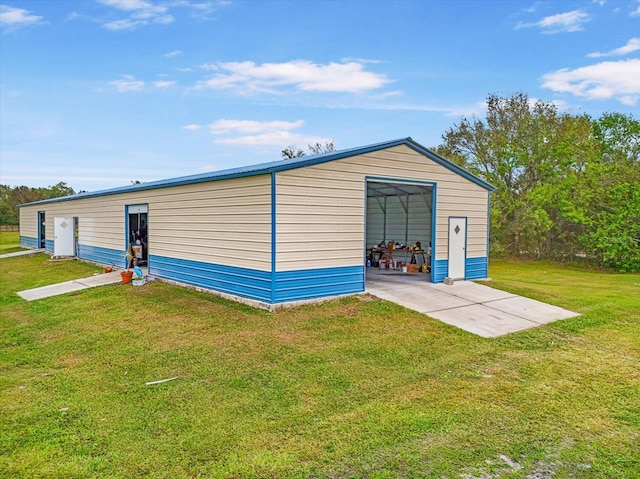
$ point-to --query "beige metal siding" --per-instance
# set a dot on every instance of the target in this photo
(320, 219)
(29, 221)
(329, 198)
(100, 220)
(225, 222)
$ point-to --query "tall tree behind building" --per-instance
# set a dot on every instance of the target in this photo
(11, 197)
(566, 185)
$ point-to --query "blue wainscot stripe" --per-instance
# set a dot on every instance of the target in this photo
(318, 283)
(476, 268)
(48, 245)
(440, 270)
(28, 242)
(101, 255)
(243, 282)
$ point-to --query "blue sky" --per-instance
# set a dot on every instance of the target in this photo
(99, 93)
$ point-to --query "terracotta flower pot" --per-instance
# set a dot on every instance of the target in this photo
(126, 276)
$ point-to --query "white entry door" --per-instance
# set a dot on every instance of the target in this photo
(64, 241)
(457, 247)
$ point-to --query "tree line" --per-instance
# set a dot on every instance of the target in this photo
(11, 197)
(567, 186)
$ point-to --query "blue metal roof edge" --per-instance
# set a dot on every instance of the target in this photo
(271, 167)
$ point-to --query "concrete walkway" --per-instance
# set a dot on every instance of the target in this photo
(21, 253)
(99, 279)
(476, 308)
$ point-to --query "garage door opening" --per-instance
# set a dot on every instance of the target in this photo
(399, 230)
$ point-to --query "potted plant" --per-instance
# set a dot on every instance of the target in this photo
(126, 274)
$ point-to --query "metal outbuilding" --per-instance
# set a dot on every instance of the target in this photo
(281, 232)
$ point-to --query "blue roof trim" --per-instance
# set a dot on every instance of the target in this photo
(274, 167)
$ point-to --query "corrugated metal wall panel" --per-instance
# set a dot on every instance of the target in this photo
(420, 218)
(440, 270)
(29, 222)
(400, 227)
(244, 282)
(476, 268)
(375, 222)
(100, 221)
(313, 185)
(396, 220)
(317, 283)
(224, 222)
(28, 242)
(97, 254)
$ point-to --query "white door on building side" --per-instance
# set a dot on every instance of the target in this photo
(457, 247)
(64, 242)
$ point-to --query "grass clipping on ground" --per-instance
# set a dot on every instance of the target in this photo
(352, 388)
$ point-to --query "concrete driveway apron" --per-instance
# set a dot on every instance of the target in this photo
(476, 308)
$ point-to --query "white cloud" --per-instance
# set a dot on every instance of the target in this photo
(636, 12)
(172, 54)
(250, 126)
(630, 100)
(277, 138)
(145, 12)
(631, 46)
(127, 84)
(124, 24)
(127, 4)
(560, 22)
(192, 127)
(12, 18)
(209, 66)
(164, 84)
(140, 12)
(606, 80)
(202, 9)
(361, 60)
(262, 133)
(387, 94)
(303, 75)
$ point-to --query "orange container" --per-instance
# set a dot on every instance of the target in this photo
(126, 276)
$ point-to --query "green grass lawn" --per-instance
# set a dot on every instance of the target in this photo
(9, 242)
(353, 388)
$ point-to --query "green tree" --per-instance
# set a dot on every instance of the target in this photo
(11, 197)
(528, 150)
(607, 198)
(292, 151)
